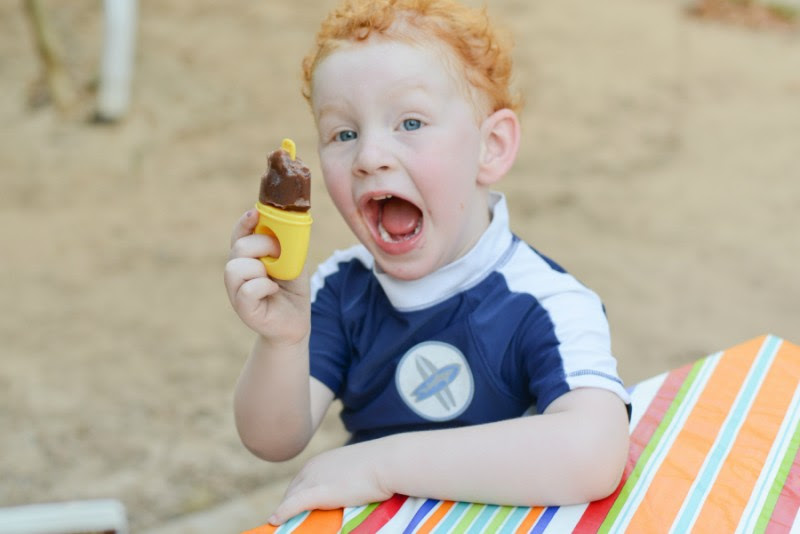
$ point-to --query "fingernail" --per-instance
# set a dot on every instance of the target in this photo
(248, 214)
(273, 520)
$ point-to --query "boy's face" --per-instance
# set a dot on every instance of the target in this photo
(399, 144)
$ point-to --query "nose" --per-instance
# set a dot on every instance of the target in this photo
(372, 156)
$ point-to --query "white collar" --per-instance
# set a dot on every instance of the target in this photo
(465, 272)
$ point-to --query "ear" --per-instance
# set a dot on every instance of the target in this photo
(500, 135)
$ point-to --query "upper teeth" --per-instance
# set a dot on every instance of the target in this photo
(383, 197)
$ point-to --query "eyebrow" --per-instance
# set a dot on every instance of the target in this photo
(328, 108)
(409, 85)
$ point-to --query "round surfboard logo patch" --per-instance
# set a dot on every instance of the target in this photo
(434, 380)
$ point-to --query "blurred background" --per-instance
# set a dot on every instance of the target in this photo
(660, 164)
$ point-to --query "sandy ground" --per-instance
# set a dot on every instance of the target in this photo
(660, 164)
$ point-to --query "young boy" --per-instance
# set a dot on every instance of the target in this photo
(441, 329)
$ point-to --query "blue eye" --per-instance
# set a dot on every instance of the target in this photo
(412, 124)
(346, 135)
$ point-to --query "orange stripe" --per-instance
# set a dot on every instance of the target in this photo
(671, 483)
(436, 517)
(318, 521)
(530, 520)
(321, 522)
(737, 478)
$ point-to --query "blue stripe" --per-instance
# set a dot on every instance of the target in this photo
(784, 438)
(293, 522)
(453, 516)
(705, 367)
(544, 519)
(483, 518)
(426, 507)
(726, 435)
(513, 519)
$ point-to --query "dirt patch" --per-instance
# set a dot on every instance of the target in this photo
(747, 13)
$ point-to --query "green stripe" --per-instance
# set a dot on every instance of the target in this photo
(468, 518)
(779, 482)
(498, 519)
(630, 484)
(357, 520)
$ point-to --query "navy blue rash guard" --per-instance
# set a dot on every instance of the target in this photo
(500, 332)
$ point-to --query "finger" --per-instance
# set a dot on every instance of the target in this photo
(255, 246)
(308, 499)
(252, 292)
(240, 270)
(245, 225)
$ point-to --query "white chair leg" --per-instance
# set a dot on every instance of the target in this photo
(116, 69)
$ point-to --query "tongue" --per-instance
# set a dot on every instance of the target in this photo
(399, 217)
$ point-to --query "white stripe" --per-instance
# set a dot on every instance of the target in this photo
(665, 444)
(350, 512)
(796, 524)
(566, 517)
(402, 518)
(641, 397)
(577, 316)
(728, 432)
(771, 465)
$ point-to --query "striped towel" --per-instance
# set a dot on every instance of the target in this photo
(714, 448)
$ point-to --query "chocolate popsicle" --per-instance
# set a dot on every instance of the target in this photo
(283, 211)
(287, 183)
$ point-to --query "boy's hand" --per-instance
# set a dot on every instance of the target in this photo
(279, 311)
(347, 476)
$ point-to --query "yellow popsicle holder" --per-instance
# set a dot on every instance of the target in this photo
(292, 229)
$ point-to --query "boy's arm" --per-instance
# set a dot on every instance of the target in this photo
(575, 452)
(276, 407)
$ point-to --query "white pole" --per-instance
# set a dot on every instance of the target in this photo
(116, 68)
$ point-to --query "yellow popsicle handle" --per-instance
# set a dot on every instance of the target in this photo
(289, 146)
(293, 232)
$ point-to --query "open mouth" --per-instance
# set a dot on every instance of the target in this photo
(395, 219)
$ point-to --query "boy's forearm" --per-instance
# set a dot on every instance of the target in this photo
(271, 401)
(551, 459)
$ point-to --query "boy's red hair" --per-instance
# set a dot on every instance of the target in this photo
(483, 54)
